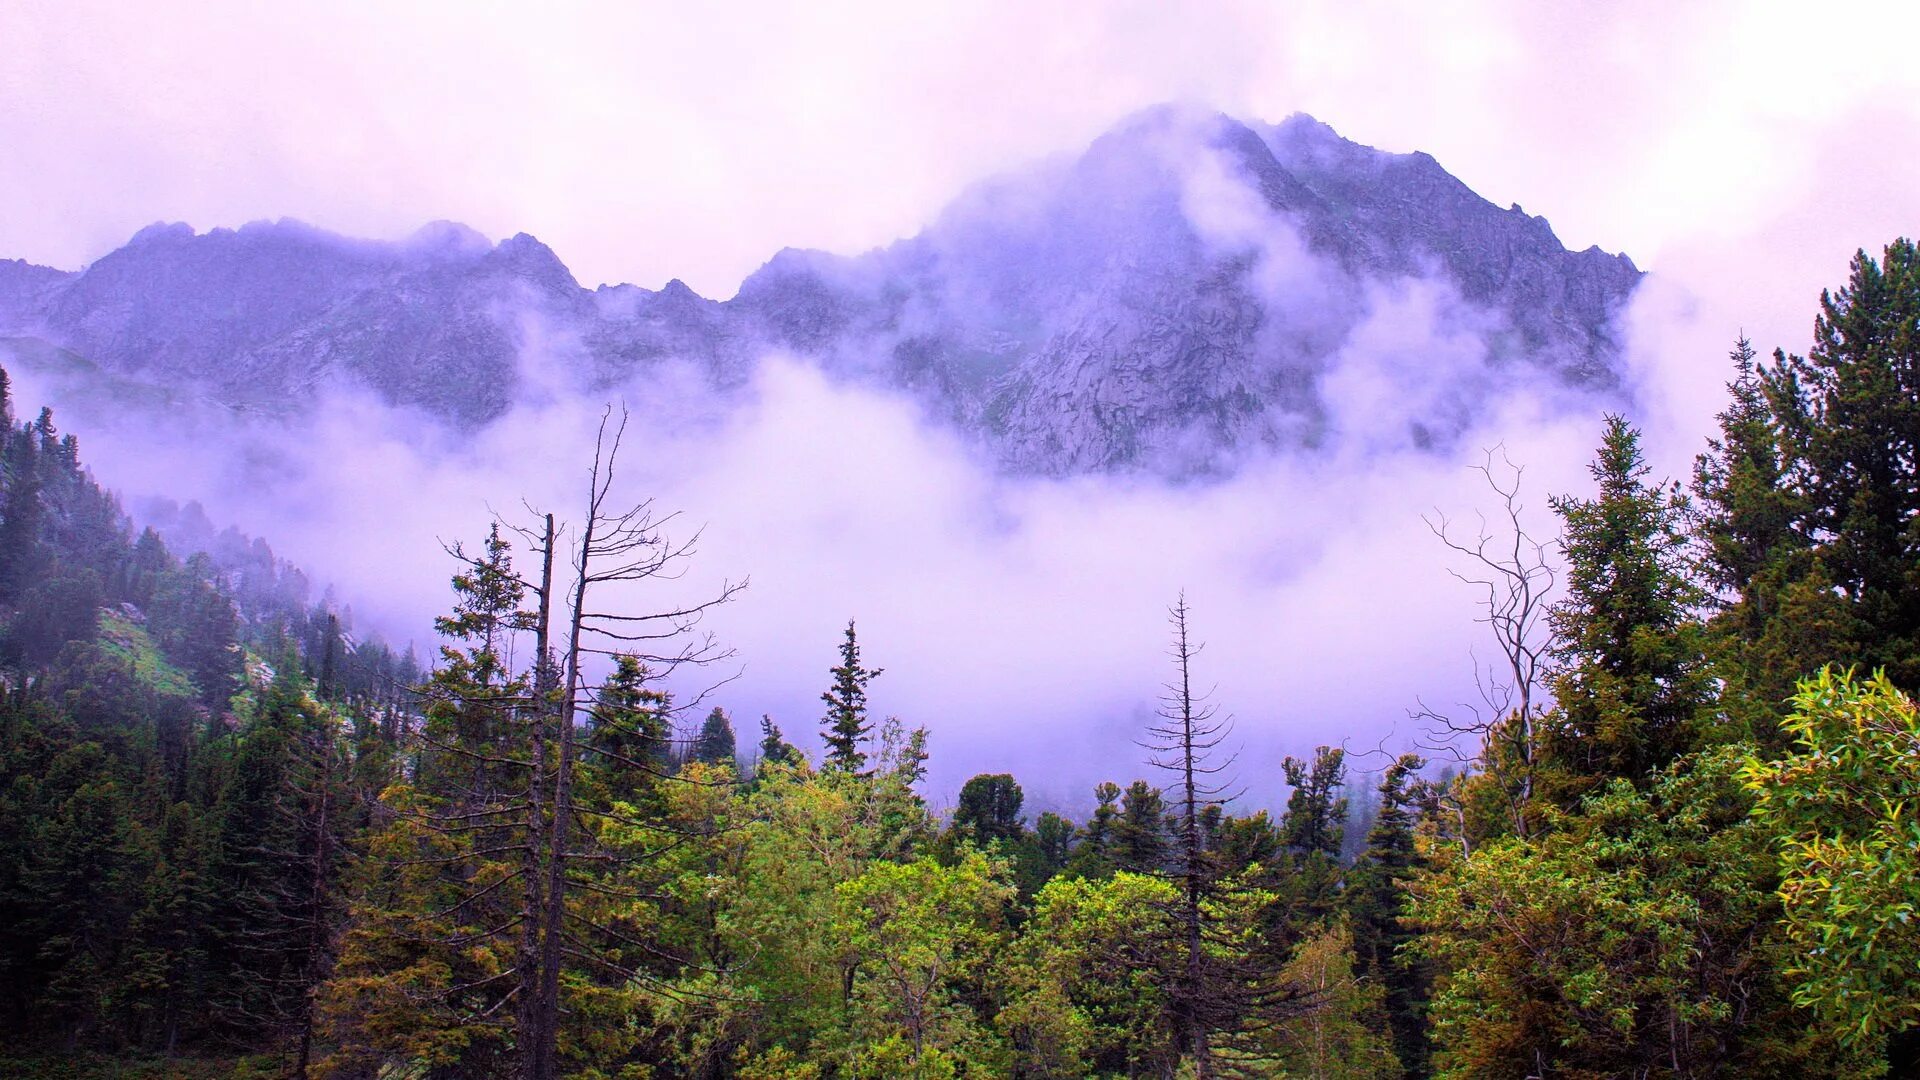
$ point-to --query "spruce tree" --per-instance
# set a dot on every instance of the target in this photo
(845, 725)
(1633, 688)
(715, 743)
(1375, 900)
(1849, 412)
(1768, 628)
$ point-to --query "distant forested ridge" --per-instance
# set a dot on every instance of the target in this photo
(1678, 839)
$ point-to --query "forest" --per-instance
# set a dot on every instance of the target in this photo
(1680, 837)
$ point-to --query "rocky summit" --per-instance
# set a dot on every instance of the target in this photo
(1186, 291)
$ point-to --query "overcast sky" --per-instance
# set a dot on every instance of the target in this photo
(646, 141)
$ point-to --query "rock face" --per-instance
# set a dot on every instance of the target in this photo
(1188, 290)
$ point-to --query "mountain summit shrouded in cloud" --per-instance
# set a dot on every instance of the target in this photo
(981, 440)
(1187, 292)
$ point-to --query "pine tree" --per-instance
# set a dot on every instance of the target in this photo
(1633, 688)
(1849, 415)
(715, 742)
(1093, 855)
(846, 725)
(1375, 900)
(1311, 834)
(989, 809)
(1138, 840)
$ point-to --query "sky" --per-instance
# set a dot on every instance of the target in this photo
(1741, 151)
(646, 141)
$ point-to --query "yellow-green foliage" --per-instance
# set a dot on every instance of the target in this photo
(1344, 1033)
(1631, 936)
(922, 939)
(1845, 809)
(1088, 978)
(129, 642)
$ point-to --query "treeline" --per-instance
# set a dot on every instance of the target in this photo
(1682, 842)
(136, 702)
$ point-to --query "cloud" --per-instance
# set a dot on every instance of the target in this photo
(653, 140)
(1741, 152)
(1022, 620)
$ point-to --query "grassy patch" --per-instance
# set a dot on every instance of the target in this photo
(128, 641)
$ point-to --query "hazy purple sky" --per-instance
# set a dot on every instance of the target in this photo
(650, 140)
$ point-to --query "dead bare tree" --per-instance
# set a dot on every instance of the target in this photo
(615, 547)
(520, 802)
(1220, 989)
(1514, 577)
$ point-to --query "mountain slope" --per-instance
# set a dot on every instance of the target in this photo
(1188, 290)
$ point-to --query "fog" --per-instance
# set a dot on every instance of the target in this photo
(1021, 620)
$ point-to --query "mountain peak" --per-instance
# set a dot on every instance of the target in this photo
(528, 257)
(447, 239)
(1180, 292)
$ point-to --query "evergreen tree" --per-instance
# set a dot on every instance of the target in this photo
(1633, 689)
(1375, 900)
(774, 747)
(1093, 856)
(1311, 833)
(1849, 415)
(989, 810)
(1752, 557)
(715, 742)
(1053, 836)
(1138, 839)
(630, 730)
(845, 725)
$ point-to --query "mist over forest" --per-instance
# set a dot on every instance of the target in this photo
(638, 542)
(1281, 399)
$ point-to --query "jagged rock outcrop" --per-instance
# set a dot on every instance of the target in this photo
(1188, 290)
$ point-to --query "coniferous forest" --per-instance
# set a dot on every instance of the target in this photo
(1680, 838)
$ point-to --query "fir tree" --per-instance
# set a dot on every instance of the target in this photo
(845, 725)
(1375, 900)
(715, 742)
(1633, 687)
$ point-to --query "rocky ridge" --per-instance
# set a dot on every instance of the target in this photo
(1189, 290)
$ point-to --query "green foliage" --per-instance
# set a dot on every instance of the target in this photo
(845, 726)
(1375, 902)
(1849, 414)
(1845, 809)
(1343, 1034)
(1090, 976)
(1668, 875)
(920, 939)
(989, 809)
(715, 742)
(1630, 937)
(1633, 688)
(128, 642)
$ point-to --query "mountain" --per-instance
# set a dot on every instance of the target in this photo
(1189, 289)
